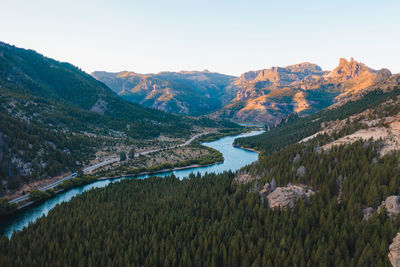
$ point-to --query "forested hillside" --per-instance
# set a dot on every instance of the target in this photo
(54, 117)
(296, 128)
(210, 221)
(215, 220)
(25, 73)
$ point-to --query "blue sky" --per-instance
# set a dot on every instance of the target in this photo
(224, 36)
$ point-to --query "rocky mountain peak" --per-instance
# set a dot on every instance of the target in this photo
(383, 74)
(288, 74)
(349, 69)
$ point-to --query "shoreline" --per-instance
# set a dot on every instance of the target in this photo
(247, 148)
(159, 171)
(31, 203)
(63, 176)
(87, 181)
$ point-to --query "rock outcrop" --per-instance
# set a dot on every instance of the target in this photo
(280, 75)
(268, 188)
(271, 95)
(244, 178)
(349, 69)
(260, 96)
(367, 213)
(394, 254)
(287, 197)
(301, 171)
(296, 158)
(100, 106)
(392, 206)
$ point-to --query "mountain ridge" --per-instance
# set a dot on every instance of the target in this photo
(185, 92)
(259, 96)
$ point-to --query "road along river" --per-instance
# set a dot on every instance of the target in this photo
(234, 159)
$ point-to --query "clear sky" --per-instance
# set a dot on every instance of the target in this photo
(227, 36)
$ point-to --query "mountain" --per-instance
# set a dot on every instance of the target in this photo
(55, 117)
(324, 192)
(262, 96)
(377, 106)
(354, 76)
(185, 92)
(269, 95)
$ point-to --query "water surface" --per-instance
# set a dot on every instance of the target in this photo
(234, 159)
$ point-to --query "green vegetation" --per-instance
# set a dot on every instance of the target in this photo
(35, 144)
(54, 117)
(222, 133)
(76, 182)
(38, 195)
(214, 156)
(210, 221)
(297, 129)
(6, 208)
(122, 156)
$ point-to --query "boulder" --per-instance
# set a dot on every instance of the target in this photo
(394, 254)
(301, 171)
(268, 188)
(392, 206)
(287, 197)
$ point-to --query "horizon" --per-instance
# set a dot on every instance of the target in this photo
(229, 37)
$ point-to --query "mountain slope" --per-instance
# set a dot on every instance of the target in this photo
(263, 96)
(218, 222)
(377, 103)
(27, 72)
(54, 117)
(186, 92)
(268, 96)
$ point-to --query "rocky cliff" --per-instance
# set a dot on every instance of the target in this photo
(269, 95)
(261, 96)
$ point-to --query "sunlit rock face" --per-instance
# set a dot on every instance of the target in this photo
(392, 206)
(270, 95)
(394, 254)
(264, 96)
(287, 197)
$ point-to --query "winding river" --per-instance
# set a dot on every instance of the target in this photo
(235, 158)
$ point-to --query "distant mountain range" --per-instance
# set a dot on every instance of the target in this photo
(186, 92)
(263, 96)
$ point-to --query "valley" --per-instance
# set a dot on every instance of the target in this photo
(232, 159)
(308, 191)
(55, 119)
(199, 133)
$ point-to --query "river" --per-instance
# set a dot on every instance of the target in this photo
(234, 159)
